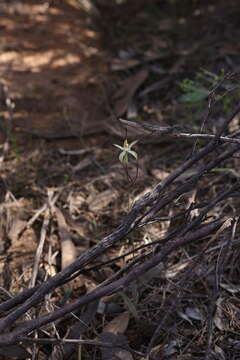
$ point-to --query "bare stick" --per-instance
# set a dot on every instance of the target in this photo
(169, 131)
(40, 248)
(39, 251)
(10, 106)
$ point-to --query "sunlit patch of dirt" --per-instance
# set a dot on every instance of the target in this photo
(49, 54)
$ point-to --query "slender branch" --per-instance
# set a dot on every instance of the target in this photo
(157, 130)
(205, 137)
(54, 341)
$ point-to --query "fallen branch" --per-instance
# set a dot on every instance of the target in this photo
(14, 336)
(169, 131)
(142, 211)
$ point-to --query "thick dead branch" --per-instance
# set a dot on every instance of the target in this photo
(143, 210)
(109, 289)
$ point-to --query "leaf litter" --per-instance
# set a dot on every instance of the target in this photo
(56, 101)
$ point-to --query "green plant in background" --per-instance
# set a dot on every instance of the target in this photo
(65, 178)
(197, 90)
(193, 92)
(15, 146)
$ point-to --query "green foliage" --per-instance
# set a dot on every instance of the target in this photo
(193, 92)
(15, 146)
(196, 90)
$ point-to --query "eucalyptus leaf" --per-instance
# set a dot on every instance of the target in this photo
(194, 95)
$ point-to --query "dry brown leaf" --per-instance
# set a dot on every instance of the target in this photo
(123, 64)
(101, 200)
(220, 319)
(83, 164)
(25, 246)
(67, 247)
(17, 227)
(125, 94)
(119, 324)
(159, 174)
(117, 351)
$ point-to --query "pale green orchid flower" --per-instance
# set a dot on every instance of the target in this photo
(126, 150)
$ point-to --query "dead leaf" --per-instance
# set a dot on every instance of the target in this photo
(101, 200)
(232, 288)
(83, 164)
(220, 320)
(219, 351)
(80, 326)
(194, 313)
(118, 325)
(185, 317)
(17, 227)
(159, 174)
(67, 247)
(125, 94)
(156, 86)
(25, 246)
(118, 349)
(130, 304)
(154, 272)
(124, 64)
(170, 348)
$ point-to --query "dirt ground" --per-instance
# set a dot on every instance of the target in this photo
(68, 73)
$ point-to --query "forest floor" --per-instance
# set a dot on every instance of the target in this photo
(68, 74)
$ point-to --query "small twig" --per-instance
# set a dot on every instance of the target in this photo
(45, 224)
(160, 130)
(40, 248)
(36, 216)
(75, 152)
(10, 106)
(170, 132)
(206, 136)
(53, 341)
